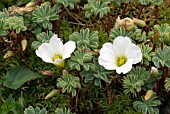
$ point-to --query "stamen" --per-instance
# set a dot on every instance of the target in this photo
(121, 60)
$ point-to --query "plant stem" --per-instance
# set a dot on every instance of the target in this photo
(61, 18)
(71, 102)
(140, 12)
(90, 86)
(106, 29)
(74, 17)
(166, 73)
(123, 12)
(156, 14)
(157, 86)
(109, 20)
(109, 97)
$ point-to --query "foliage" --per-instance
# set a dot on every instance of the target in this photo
(63, 111)
(144, 2)
(120, 104)
(15, 78)
(140, 36)
(68, 83)
(156, 2)
(43, 15)
(120, 32)
(132, 83)
(37, 110)
(147, 54)
(161, 57)
(66, 3)
(96, 73)
(79, 59)
(14, 23)
(167, 84)
(87, 87)
(164, 32)
(3, 15)
(96, 7)
(85, 39)
(147, 106)
(41, 38)
(11, 106)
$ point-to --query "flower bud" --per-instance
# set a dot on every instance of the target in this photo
(154, 71)
(30, 4)
(13, 35)
(8, 54)
(166, 38)
(148, 95)
(139, 22)
(24, 44)
(128, 23)
(156, 37)
(52, 94)
(119, 23)
(47, 73)
(65, 72)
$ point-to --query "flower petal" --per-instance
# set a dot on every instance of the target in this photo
(45, 52)
(69, 47)
(107, 53)
(57, 45)
(134, 52)
(125, 68)
(107, 65)
(58, 61)
(120, 44)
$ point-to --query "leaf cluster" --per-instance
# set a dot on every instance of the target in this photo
(132, 83)
(68, 83)
(148, 106)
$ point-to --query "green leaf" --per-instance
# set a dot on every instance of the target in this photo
(14, 23)
(63, 111)
(10, 106)
(156, 2)
(66, 3)
(132, 83)
(42, 38)
(37, 110)
(148, 106)
(147, 54)
(97, 73)
(85, 39)
(96, 7)
(43, 15)
(121, 32)
(167, 84)
(162, 57)
(79, 59)
(15, 78)
(164, 32)
(69, 83)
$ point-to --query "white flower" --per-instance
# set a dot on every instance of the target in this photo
(55, 52)
(120, 55)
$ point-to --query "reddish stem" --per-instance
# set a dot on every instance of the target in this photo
(140, 12)
(123, 12)
(61, 19)
(106, 29)
(156, 14)
(166, 73)
(90, 86)
(157, 86)
(71, 102)
(109, 20)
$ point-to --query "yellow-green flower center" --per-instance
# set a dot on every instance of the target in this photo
(121, 61)
(56, 57)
